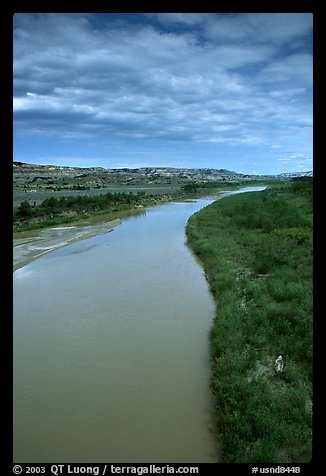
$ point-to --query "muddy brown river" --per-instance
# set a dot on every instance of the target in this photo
(111, 358)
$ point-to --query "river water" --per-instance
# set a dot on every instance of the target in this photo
(111, 358)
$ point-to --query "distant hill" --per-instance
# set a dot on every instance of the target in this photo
(296, 174)
(33, 177)
(30, 172)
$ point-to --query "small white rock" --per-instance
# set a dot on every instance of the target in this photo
(279, 364)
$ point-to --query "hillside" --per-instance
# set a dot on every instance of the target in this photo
(31, 177)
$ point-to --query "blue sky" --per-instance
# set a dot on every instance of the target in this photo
(193, 90)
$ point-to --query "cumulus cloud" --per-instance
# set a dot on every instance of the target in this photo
(219, 78)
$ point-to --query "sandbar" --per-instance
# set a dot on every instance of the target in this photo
(28, 246)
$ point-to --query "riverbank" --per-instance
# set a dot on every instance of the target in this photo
(256, 250)
(32, 239)
(64, 209)
(52, 212)
(28, 246)
(35, 237)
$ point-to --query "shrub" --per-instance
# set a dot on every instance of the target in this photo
(24, 210)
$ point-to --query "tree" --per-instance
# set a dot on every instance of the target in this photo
(50, 203)
(25, 210)
(190, 187)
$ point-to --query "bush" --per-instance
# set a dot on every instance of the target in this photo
(24, 210)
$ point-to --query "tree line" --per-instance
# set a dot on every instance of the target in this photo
(80, 203)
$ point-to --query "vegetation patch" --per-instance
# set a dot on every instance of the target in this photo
(59, 209)
(54, 211)
(256, 249)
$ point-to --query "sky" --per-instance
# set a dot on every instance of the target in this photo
(185, 90)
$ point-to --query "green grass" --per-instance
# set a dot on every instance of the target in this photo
(256, 249)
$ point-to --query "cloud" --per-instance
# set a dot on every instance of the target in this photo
(215, 78)
(298, 162)
(188, 19)
(277, 29)
(296, 68)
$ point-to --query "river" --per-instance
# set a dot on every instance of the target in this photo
(111, 359)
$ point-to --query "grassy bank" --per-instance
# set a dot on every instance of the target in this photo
(256, 249)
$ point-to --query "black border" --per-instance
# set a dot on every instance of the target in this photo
(96, 6)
